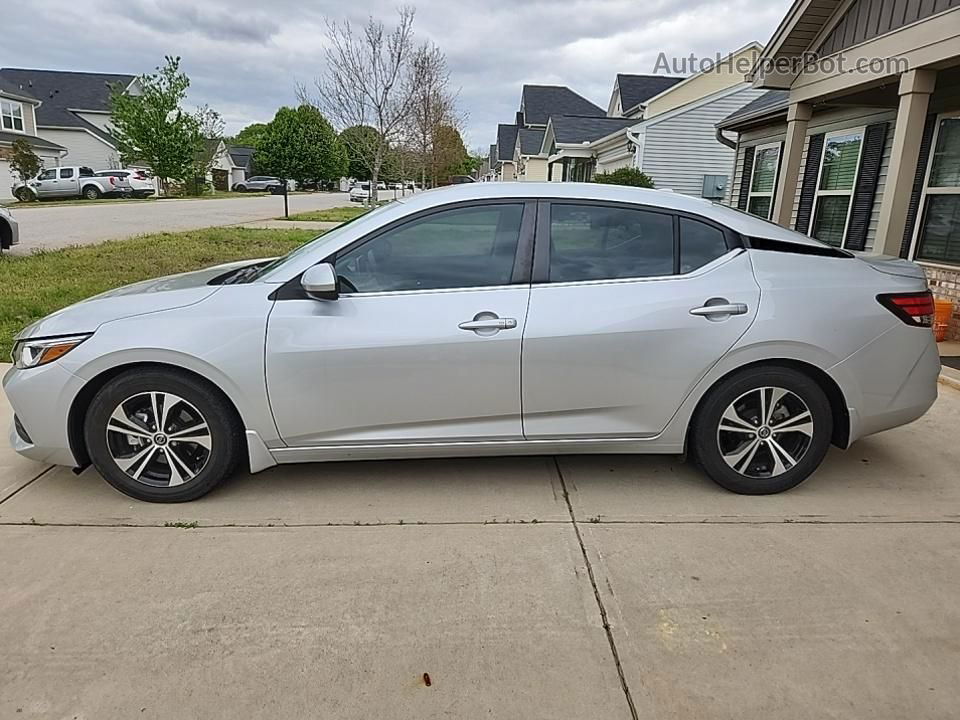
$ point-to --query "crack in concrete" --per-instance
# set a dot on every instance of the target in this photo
(27, 484)
(596, 594)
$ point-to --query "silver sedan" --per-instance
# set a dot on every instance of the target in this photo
(488, 319)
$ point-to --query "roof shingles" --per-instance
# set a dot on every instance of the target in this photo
(540, 102)
(572, 129)
(637, 89)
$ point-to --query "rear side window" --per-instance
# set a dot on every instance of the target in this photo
(66, 173)
(700, 244)
(594, 242)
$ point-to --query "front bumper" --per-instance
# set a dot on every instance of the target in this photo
(14, 230)
(41, 398)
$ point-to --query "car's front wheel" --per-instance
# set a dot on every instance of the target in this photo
(162, 436)
(763, 430)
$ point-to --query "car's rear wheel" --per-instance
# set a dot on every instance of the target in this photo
(162, 436)
(91, 192)
(763, 430)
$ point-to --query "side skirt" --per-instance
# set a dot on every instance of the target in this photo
(398, 451)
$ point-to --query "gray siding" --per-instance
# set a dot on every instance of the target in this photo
(681, 149)
(83, 149)
(867, 19)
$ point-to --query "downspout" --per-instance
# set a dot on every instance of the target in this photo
(723, 139)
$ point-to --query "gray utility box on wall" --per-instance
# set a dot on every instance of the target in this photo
(715, 187)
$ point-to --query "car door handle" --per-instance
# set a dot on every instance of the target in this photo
(489, 324)
(728, 309)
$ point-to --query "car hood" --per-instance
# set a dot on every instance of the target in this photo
(149, 296)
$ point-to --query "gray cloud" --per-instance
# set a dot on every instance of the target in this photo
(246, 57)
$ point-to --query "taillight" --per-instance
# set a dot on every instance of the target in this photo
(113, 180)
(913, 308)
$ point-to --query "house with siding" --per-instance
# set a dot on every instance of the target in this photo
(18, 122)
(74, 111)
(868, 159)
(667, 129)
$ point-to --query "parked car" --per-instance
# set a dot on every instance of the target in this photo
(72, 181)
(460, 179)
(258, 183)
(488, 319)
(140, 181)
(360, 192)
(9, 230)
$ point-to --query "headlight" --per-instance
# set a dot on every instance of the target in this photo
(34, 353)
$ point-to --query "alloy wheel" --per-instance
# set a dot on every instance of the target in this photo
(159, 439)
(765, 432)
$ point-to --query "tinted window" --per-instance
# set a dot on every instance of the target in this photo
(592, 242)
(86, 172)
(467, 247)
(47, 175)
(66, 173)
(699, 244)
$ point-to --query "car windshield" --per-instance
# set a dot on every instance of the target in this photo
(251, 273)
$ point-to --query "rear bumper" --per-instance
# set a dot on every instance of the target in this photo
(895, 379)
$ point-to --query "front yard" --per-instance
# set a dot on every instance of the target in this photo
(35, 285)
(337, 214)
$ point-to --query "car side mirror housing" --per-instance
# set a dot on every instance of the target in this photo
(320, 282)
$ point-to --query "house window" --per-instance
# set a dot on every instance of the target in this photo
(766, 161)
(11, 114)
(939, 239)
(838, 175)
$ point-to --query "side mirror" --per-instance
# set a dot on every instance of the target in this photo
(320, 282)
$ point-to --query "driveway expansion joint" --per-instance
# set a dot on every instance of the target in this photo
(27, 484)
(596, 594)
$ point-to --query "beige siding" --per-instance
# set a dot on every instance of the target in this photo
(536, 169)
(99, 120)
(701, 85)
(83, 149)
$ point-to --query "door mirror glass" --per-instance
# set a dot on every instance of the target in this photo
(320, 282)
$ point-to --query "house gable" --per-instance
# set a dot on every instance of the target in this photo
(867, 19)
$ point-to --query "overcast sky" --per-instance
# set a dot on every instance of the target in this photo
(245, 57)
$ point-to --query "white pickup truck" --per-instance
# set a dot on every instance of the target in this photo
(66, 182)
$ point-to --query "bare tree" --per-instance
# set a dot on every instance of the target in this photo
(432, 106)
(366, 83)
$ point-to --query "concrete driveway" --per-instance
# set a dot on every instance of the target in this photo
(578, 587)
(59, 226)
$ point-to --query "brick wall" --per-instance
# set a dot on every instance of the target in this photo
(945, 285)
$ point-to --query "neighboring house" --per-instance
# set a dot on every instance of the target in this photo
(242, 157)
(506, 168)
(866, 159)
(74, 111)
(631, 92)
(567, 144)
(516, 160)
(224, 173)
(666, 129)
(531, 162)
(18, 121)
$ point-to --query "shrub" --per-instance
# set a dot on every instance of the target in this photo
(625, 176)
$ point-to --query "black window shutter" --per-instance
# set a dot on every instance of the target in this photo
(808, 190)
(913, 210)
(746, 177)
(874, 140)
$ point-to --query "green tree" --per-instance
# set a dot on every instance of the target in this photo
(153, 127)
(448, 154)
(625, 176)
(249, 136)
(356, 141)
(24, 161)
(299, 144)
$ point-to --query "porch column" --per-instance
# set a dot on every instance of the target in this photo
(915, 89)
(798, 118)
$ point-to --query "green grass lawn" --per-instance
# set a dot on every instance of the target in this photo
(338, 214)
(35, 285)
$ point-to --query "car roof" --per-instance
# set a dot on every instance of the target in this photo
(734, 219)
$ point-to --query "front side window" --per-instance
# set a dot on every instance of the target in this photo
(47, 175)
(766, 162)
(940, 229)
(595, 242)
(458, 248)
(838, 174)
(11, 115)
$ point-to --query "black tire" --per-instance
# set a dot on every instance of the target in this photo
(744, 388)
(92, 192)
(24, 195)
(240, 188)
(225, 431)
